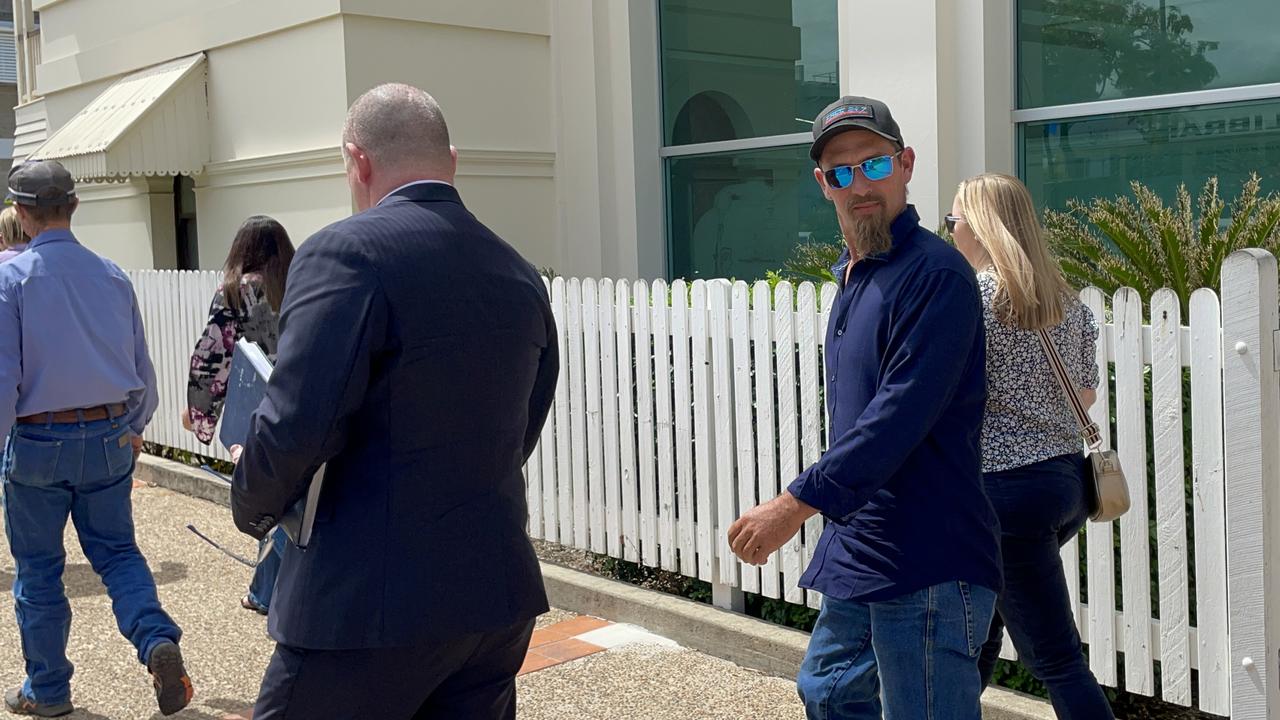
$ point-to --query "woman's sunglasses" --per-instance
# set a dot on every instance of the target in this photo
(951, 221)
(874, 169)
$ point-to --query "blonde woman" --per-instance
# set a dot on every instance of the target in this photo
(1032, 460)
(11, 235)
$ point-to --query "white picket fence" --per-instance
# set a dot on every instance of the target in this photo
(175, 311)
(681, 405)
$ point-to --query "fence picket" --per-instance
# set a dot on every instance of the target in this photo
(703, 433)
(645, 454)
(722, 379)
(788, 429)
(591, 415)
(1099, 537)
(766, 428)
(609, 419)
(811, 442)
(627, 423)
(1209, 507)
(577, 414)
(744, 418)
(1171, 508)
(1131, 443)
(683, 386)
(550, 482)
(662, 387)
(564, 453)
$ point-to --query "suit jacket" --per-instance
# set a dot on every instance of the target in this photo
(418, 358)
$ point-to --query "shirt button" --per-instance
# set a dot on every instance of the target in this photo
(833, 378)
(839, 332)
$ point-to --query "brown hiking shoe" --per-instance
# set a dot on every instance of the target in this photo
(169, 675)
(19, 704)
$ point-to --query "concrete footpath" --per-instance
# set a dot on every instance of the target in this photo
(643, 655)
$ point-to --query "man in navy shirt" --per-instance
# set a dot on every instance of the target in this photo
(909, 561)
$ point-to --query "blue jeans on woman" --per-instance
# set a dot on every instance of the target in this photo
(915, 656)
(263, 584)
(1041, 506)
(85, 471)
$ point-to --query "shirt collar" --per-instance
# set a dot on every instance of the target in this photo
(411, 184)
(52, 236)
(901, 228)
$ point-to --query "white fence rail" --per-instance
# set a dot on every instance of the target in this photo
(681, 405)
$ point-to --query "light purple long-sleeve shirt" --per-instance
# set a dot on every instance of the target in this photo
(71, 335)
(13, 252)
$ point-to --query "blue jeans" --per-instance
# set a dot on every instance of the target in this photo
(917, 654)
(263, 584)
(1041, 506)
(84, 471)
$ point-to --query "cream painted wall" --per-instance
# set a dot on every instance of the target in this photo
(89, 40)
(114, 219)
(281, 93)
(495, 88)
(609, 182)
(904, 74)
(950, 86)
(304, 191)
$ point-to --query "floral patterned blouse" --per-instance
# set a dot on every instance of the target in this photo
(211, 361)
(1027, 418)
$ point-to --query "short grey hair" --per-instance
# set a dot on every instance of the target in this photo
(398, 125)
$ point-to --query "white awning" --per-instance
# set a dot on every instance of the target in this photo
(153, 122)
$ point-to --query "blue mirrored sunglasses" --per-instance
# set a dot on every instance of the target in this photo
(875, 169)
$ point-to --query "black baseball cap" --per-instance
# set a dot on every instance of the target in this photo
(853, 113)
(40, 183)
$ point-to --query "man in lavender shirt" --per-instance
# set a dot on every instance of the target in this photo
(77, 389)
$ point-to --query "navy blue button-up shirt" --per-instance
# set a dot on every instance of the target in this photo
(901, 484)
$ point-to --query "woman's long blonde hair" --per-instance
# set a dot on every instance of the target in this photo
(1030, 289)
(11, 233)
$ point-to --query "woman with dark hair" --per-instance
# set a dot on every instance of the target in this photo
(247, 305)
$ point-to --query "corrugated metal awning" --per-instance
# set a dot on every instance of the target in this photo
(153, 122)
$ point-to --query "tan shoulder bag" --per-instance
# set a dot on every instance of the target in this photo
(1108, 491)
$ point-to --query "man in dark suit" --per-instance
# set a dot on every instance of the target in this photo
(418, 359)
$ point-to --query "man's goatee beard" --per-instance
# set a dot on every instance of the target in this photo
(868, 235)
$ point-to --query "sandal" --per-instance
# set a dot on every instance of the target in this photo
(248, 604)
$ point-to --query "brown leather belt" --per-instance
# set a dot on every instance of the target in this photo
(101, 412)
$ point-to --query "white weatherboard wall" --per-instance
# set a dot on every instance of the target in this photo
(679, 406)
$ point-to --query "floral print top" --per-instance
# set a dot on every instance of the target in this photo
(1027, 418)
(211, 361)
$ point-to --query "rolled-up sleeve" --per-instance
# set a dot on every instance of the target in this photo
(937, 322)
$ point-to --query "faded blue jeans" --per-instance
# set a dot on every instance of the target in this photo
(85, 471)
(263, 584)
(915, 657)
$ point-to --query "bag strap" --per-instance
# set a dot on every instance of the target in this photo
(1088, 428)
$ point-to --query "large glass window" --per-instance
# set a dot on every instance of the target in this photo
(736, 69)
(739, 215)
(752, 74)
(1075, 51)
(1098, 156)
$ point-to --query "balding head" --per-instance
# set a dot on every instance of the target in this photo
(395, 134)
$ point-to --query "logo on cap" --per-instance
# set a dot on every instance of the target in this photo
(847, 111)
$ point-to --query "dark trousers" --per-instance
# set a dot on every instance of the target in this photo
(1042, 506)
(472, 677)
